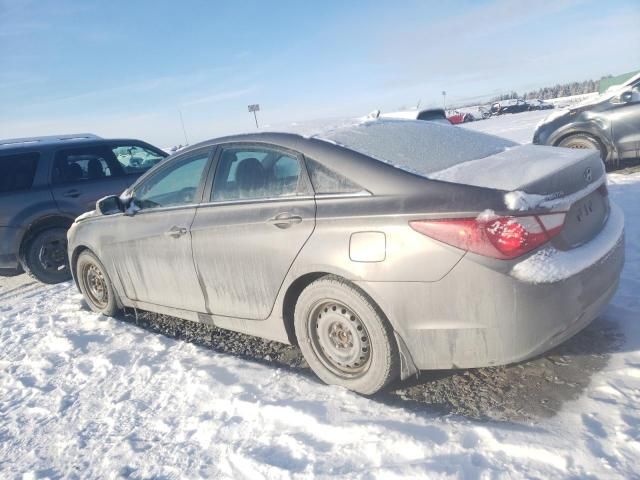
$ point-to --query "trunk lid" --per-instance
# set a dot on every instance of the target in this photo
(544, 178)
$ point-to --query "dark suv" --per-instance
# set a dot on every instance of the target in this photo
(46, 182)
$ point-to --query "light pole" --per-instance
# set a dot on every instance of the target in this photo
(254, 108)
(444, 100)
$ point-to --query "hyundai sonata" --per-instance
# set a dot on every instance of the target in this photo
(380, 248)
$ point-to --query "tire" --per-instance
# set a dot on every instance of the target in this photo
(344, 337)
(584, 141)
(96, 286)
(44, 256)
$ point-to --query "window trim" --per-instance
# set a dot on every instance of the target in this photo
(307, 193)
(198, 197)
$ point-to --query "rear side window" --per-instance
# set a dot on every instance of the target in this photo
(83, 164)
(17, 171)
(325, 180)
(135, 159)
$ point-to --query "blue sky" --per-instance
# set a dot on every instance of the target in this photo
(125, 68)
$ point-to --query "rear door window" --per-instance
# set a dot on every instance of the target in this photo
(83, 164)
(135, 159)
(245, 173)
(17, 171)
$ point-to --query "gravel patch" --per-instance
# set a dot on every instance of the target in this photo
(522, 392)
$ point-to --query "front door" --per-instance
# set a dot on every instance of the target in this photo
(153, 243)
(625, 125)
(260, 213)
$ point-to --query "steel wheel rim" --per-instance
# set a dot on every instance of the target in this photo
(95, 285)
(339, 339)
(53, 255)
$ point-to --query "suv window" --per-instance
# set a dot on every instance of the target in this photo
(175, 185)
(250, 173)
(80, 164)
(17, 171)
(136, 159)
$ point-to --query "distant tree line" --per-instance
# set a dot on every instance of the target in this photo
(559, 90)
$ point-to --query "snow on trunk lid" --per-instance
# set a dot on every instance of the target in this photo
(544, 178)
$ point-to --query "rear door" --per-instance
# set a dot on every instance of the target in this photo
(260, 213)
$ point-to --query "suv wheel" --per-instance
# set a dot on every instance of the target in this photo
(344, 338)
(95, 285)
(44, 257)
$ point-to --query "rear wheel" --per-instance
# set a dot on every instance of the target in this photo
(95, 285)
(344, 337)
(582, 141)
(44, 256)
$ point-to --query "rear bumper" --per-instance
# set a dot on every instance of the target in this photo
(477, 316)
(9, 245)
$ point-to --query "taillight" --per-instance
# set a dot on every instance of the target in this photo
(496, 237)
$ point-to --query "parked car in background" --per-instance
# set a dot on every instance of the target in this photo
(46, 182)
(539, 105)
(609, 124)
(437, 115)
(456, 117)
(367, 245)
(509, 106)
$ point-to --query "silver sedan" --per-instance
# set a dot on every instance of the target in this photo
(380, 248)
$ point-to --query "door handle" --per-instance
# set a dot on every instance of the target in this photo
(176, 232)
(71, 193)
(284, 220)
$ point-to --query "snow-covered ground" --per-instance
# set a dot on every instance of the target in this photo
(83, 396)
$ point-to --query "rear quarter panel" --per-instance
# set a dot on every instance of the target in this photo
(408, 255)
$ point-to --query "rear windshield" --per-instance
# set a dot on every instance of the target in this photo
(416, 146)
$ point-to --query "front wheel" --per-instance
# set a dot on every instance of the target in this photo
(44, 256)
(95, 285)
(344, 338)
(583, 141)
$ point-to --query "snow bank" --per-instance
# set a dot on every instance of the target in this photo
(550, 265)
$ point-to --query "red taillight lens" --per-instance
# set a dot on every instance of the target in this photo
(497, 237)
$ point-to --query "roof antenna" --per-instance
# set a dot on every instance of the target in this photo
(184, 130)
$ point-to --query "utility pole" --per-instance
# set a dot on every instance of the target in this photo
(253, 109)
(184, 130)
(444, 100)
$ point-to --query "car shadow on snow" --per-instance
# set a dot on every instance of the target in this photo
(525, 391)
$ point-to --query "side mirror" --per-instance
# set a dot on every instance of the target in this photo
(624, 97)
(109, 205)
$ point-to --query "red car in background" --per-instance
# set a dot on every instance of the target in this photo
(456, 117)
